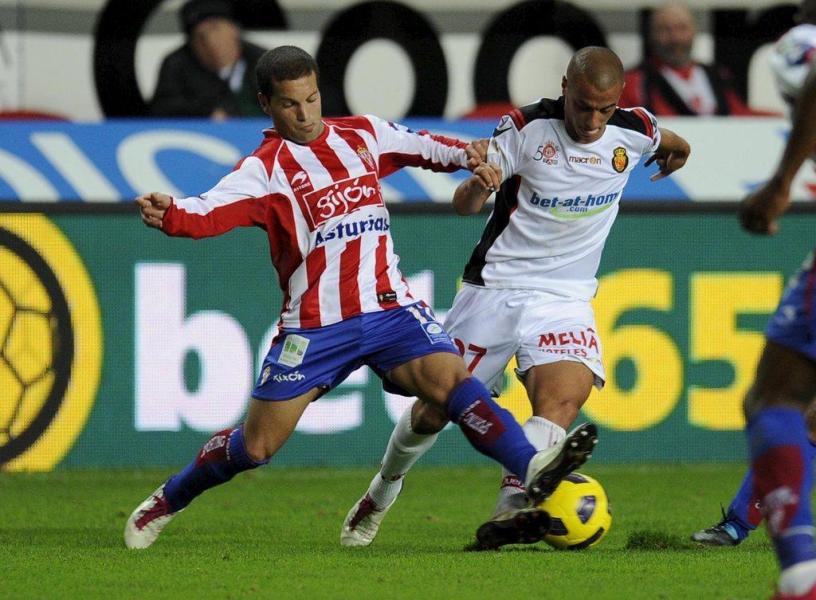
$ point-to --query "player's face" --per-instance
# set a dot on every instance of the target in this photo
(295, 109)
(587, 109)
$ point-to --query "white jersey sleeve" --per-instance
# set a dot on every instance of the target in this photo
(400, 147)
(504, 148)
(791, 60)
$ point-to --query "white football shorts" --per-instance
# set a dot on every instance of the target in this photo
(490, 326)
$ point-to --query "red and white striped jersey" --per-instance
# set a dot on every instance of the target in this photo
(322, 208)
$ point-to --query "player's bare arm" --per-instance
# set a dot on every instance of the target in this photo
(761, 209)
(152, 207)
(671, 154)
(471, 195)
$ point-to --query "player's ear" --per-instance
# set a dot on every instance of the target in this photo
(265, 104)
(563, 85)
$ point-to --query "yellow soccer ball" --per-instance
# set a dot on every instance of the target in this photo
(580, 512)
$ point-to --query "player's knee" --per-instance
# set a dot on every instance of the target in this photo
(561, 411)
(260, 448)
(427, 419)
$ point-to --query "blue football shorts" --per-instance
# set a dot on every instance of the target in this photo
(793, 325)
(322, 357)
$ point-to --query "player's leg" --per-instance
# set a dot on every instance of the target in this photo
(780, 451)
(299, 367)
(474, 316)
(229, 452)
(741, 518)
(744, 513)
(413, 435)
(556, 391)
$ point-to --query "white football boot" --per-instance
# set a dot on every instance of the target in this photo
(146, 522)
(548, 467)
(363, 522)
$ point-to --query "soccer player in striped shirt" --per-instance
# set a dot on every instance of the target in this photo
(313, 186)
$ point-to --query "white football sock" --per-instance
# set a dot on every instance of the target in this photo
(542, 433)
(404, 448)
(797, 580)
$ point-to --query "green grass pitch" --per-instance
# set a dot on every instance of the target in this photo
(275, 534)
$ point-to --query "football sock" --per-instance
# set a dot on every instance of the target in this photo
(744, 513)
(489, 428)
(542, 433)
(219, 460)
(404, 448)
(798, 579)
(782, 480)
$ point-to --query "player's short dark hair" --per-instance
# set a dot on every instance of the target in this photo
(283, 63)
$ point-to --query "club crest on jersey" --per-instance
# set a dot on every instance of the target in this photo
(366, 157)
(340, 198)
(620, 160)
(547, 153)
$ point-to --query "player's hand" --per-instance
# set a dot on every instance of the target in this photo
(487, 175)
(760, 210)
(476, 153)
(668, 161)
(152, 207)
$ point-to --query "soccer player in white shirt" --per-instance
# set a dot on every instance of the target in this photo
(313, 186)
(560, 167)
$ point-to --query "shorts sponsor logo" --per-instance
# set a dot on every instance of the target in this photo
(579, 342)
(294, 349)
(265, 375)
(293, 376)
(340, 198)
(434, 328)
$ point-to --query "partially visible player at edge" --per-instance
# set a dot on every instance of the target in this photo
(562, 166)
(313, 186)
(791, 60)
(785, 381)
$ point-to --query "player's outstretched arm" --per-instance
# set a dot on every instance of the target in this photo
(152, 207)
(671, 154)
(761, 209)
(471, 195)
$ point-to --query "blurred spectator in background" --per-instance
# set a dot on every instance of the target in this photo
(669, 82)
(213, 73)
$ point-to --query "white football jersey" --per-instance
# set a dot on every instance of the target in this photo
(558, 200)
(792, 58)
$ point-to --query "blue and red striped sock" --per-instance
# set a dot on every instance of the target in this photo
(780, 460)
(219, 460)
(489, 428)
